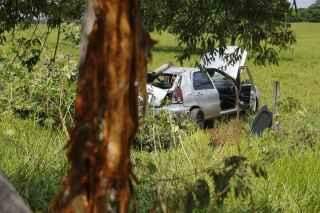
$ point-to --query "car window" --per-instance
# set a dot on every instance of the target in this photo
(218, 76)
(164, 81)
(215, 75)
(201, 81)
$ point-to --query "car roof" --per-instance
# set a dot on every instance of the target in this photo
(178, 70)
(170, 69)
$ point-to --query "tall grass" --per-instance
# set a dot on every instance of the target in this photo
(34, 158)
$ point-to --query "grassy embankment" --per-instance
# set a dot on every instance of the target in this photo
(33, 157)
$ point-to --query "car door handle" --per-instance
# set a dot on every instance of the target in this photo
(199, 94)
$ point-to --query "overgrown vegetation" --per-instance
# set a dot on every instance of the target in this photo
(33, 159)
(160, 131)
(34, 87)
(188, 171)
(261, 27)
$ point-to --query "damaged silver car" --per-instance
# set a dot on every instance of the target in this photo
(206, 92)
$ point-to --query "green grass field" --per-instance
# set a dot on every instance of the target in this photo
(34, 158)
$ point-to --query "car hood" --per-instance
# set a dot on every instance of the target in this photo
(220, 62)
(155, 95)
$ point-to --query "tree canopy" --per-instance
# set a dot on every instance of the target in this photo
(26, 12)
(259, 26)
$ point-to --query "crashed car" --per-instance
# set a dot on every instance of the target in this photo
(206, 92)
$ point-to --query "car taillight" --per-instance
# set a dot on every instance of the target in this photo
(177, 96)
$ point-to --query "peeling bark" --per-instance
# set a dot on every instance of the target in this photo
(113, 59)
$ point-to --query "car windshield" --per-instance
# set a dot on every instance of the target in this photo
(164, 81)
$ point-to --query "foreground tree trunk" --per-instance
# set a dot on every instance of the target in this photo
(112, 71)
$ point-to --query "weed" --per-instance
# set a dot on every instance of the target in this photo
(162, 131)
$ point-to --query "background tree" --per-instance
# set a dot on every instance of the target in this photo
(200, 26)
(13, 12)
(317, 3)
(310, 14)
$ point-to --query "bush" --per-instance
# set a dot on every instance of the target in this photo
(162, 131)
(45, 93)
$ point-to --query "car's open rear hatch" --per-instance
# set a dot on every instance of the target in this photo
(230, 62)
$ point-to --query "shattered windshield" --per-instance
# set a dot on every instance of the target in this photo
(164, 81)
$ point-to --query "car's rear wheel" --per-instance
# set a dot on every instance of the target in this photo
(198, 116)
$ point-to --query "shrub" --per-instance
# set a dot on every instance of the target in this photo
(45, 93)
(161, 131)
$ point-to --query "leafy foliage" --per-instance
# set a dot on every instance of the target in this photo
(32, 85)
(233, 177)
(71, 33)
(200, 26)
(29, 51)
(17, 12)
(44, 93)
(161, 131)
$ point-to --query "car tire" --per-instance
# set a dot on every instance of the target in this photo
(197, 115)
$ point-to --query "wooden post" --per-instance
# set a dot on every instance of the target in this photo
(237, 102)
(276, 97)
(113, 60)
